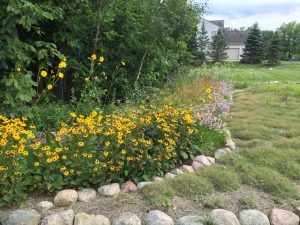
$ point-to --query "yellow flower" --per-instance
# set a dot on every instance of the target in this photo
(107, 143)
(18, 69)
(49, 86)
(208, 91)
(87, 79)
(60, 75)
(66, 173)
(44, 73)
(123, 151)
(97, 161)
(123, 63)
(94, 56)
(80, 144)
(72, 114)
(63, 168)
(36, 164)
(62, 64)
(101, 59)
(64, 157)
(105, 153)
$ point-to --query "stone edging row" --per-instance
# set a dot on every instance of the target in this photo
(156, 217)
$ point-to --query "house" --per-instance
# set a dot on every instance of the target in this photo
(235, 39)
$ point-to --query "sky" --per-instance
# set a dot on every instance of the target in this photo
(270, 14)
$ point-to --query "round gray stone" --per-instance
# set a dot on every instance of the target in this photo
(223, 217)
(86, 195)
(127, 218)
(253, 217)
(22, 217)
(86, 219)
(190, 220)
(65, 217)
(157, 217)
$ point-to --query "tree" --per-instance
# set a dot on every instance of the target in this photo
(253, 51)
(203, 42)
(290, 39)
(218, 47)
(273, 52)
(266, 37)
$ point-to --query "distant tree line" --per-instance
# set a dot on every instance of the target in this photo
(270, 46)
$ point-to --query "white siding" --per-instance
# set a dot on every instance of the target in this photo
(210, 28)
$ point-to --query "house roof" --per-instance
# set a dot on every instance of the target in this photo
(219, 23)
(235, 37)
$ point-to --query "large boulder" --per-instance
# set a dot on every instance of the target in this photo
(283, 217)
(110, 189)
(65, 217)
(127, 218)
(22, 217)
(223, 217)
(86, 194)
(253, 217)
(65, 197)
(86, 219)
(157, 217)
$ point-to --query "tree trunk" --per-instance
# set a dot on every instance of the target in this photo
(138, 74)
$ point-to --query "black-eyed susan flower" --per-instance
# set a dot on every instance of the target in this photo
(49, 86)
(101, 59)
(60, 75)
(44, 73)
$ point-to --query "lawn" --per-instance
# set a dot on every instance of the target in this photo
(265, 122)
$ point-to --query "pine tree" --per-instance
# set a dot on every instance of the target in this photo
(273, 52)
(253, 51)
(218, 47)
(203, 42)
(192, 47)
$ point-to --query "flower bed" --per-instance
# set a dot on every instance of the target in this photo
(98, 149)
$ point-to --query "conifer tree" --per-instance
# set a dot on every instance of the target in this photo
(253, 51)
(203, 42)
(218, 47)
(273, 53)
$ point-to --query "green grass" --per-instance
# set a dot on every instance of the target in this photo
(265, 119)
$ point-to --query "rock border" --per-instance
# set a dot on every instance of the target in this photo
(69, 197)
(154, 217)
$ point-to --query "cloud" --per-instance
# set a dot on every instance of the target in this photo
(269, 14)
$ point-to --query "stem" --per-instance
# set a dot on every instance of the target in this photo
(140, 68)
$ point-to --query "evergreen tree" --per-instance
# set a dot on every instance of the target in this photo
(218, 47)
(203, 42)
(273, 53)
(253, 51)
(192, 47)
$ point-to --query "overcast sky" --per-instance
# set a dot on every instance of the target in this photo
(269, 14)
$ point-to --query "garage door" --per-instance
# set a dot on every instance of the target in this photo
(233, 54)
